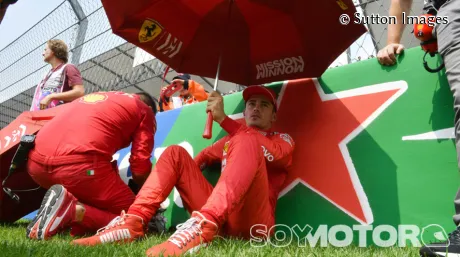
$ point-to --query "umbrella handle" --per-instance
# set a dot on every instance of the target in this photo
(208, 127)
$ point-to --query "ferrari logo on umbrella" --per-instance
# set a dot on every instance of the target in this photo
(342, 5)
(150, 30)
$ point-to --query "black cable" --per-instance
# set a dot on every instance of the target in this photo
(25, 145)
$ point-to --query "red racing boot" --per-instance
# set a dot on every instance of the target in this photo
(123, 229)
(57, 212)
(190, 236)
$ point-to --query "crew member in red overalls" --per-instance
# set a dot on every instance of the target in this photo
(254, 163)
(73, 158)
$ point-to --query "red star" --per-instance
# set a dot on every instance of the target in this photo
(322, 125)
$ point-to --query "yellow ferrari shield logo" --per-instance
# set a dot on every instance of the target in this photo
(150, 30)
(226, 147)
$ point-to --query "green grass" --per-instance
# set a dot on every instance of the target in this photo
(14, 243)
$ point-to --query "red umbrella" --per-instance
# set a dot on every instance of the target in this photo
(244, 41)
(259, 41)
(27, 123)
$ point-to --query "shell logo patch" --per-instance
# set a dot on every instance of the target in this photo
(93, 98)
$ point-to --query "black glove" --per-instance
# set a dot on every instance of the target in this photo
(157, 225)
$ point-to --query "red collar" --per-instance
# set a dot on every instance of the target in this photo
(264, 132)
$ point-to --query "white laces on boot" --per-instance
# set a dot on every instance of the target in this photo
(120, 220)
(115, 222)
(185, 232)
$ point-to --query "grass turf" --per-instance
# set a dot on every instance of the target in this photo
(13, 242)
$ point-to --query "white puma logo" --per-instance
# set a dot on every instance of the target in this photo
(116, 235)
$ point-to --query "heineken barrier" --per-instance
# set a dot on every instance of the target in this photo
(374, 146)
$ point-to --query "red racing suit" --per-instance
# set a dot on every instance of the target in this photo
(75, 149)
(276, 147)
(254, 167)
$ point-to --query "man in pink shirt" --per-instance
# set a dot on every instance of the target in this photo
(62, 84)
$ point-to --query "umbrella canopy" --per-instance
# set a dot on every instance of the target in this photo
(259, 41)
(10, 136)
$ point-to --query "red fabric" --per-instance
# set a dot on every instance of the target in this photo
(213, 153)
(73, 77)
(258, 40)
(26, 123)
(103, 194)
(101, 124)
(93, 220)
(277, 150)
(246, 192)
(174, 168)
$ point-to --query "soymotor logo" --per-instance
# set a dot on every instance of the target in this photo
(342, 235)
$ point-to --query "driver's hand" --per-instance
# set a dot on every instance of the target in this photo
(387, 55)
